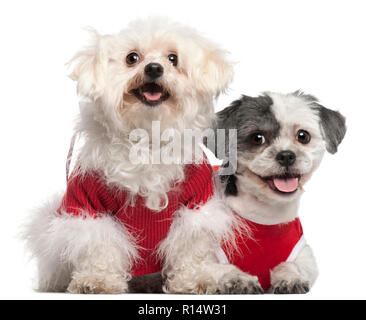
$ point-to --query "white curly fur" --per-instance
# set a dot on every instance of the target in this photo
(112, 112)
(69, 247)
(86, 255)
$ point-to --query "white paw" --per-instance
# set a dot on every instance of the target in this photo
(238, 282)
(86, 283)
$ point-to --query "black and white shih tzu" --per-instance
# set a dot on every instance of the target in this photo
(281, 140)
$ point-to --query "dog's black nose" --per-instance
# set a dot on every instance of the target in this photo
(286, 158)
(154, 70)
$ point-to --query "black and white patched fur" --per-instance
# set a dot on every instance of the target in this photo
(278, 136)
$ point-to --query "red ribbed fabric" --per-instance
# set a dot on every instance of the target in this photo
(268, 246)
(89, 194)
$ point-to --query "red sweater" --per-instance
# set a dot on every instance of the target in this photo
(268, 246)
(89, 194)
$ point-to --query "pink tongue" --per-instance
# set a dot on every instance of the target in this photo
(286, 185)
(152, 96)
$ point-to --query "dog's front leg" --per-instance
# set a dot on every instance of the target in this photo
(189, 253)
(102, 264)
(296, 276)
(80, 254)
(99, 272)
(193, 268)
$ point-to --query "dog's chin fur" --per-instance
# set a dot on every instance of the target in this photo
(112, 110)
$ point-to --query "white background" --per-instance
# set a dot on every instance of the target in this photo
(318, 46)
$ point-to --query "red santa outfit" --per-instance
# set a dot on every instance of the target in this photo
(89, 194)
(267, 247)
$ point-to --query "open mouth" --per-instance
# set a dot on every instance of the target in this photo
(151, 94)
(284, 184)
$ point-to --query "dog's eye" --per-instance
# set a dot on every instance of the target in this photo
(303, 136)
(257, 139)
(173, 58)
(132, 58)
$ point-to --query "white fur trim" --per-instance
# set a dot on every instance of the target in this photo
(189, 250)
(64, 243)
(213, 218)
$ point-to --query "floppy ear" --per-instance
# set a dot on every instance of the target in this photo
(333, 125)
(214, 73)
(89, 66)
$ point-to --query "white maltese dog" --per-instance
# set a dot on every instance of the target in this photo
(120, 217)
